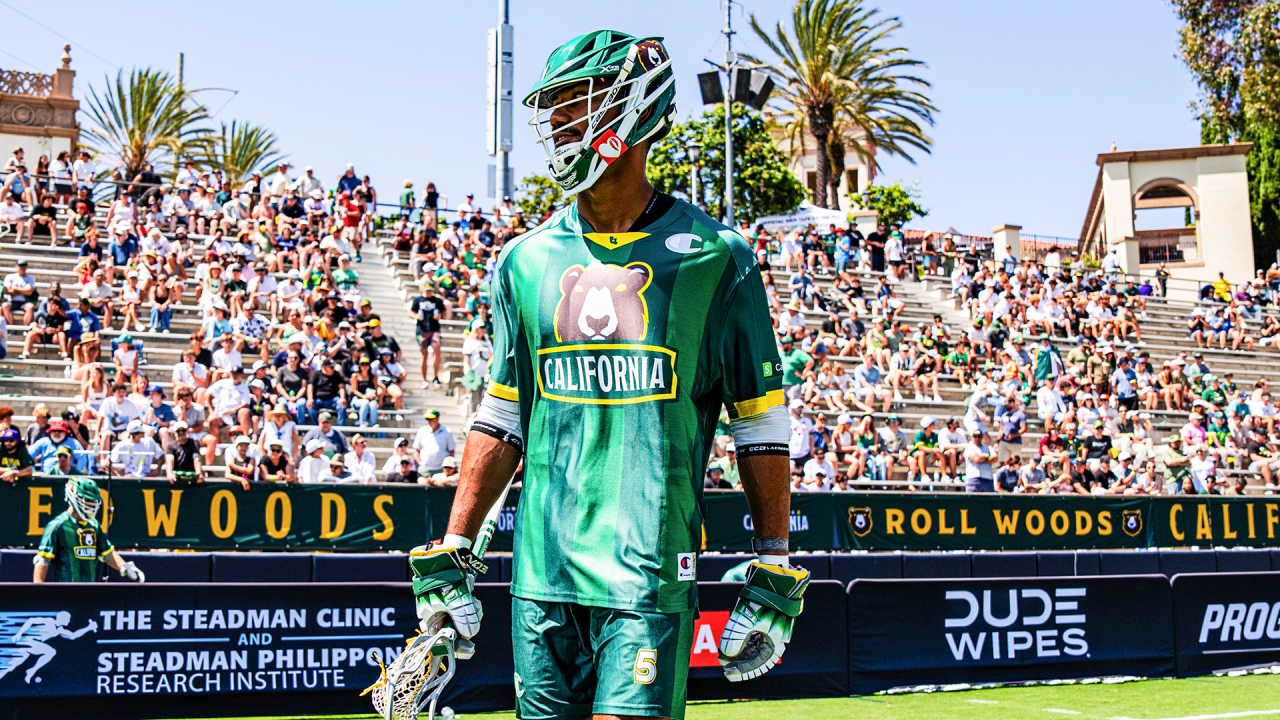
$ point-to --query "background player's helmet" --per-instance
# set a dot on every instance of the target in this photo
(82, 495)
(621, 71)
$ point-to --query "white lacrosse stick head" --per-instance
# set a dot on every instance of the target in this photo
(416, 678)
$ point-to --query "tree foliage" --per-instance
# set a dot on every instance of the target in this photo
(538, 196)
(1232, 47)
(897, 205)
(763, 183)
(145, 118)
(240, 149)
(839, 80)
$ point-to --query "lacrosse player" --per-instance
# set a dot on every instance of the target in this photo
(622, 324)
(74, 543)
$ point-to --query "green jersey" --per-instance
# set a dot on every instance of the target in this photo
(620, 349)
(73, 548)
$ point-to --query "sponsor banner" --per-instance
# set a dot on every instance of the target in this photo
(1195, 520)
(987, 521)
(728, 525)
(228, 646)
(816, 660)
(917, 632)
(1226, 620)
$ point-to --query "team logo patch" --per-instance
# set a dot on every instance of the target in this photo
(650, 54)
(860, 520)
(687, 564)
(603, 302)
(609, 146)
(684, 243)
(1132, 522)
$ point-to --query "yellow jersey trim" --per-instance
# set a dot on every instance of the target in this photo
(504, 392)
(755, 406)
(612, 241)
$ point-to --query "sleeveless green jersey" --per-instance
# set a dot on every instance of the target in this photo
(621, 349)
(73, 548)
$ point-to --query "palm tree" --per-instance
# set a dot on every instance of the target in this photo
(146, 118)
(838, 76)
(240, 149)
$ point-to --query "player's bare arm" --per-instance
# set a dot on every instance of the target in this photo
(487, 465)
(765, 482)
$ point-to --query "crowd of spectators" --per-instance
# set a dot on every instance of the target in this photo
(847, 355)
(286, 337)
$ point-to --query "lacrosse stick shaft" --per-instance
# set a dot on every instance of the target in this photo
(490, 525)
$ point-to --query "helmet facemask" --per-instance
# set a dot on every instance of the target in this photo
(82, 495)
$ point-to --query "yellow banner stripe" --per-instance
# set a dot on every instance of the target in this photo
(504, 392)
(755, 406)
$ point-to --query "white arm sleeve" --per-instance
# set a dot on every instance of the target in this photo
(500, 419)
(768, 432)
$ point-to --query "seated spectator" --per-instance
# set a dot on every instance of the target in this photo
(136, 455)
(115, 416)
(332, 440)
(15, 461)
(448, 475)
(229, 401)
(314, 466)
(360, 462)
(326, 391)
(404, 471)
(62, 463)
(276, 465)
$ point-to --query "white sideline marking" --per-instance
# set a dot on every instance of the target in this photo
(1062, 712)
(1244, 713)
(984, 702)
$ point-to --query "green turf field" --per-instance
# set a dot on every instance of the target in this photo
(1206, 698)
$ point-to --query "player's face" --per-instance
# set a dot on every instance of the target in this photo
(568, 120)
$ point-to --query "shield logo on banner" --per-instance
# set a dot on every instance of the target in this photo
(1132, 522)
(860, 520)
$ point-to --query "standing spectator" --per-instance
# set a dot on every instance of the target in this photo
(1013, 425)
(795, 363)
(427, 310)
(182, 456)
(433, 444)
(977, 463)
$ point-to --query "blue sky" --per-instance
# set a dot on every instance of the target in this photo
(1028, 93)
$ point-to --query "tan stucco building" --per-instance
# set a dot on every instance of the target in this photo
(1211, 180)
(38, 112)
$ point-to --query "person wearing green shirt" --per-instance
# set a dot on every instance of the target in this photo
(729, 464)
(795, 363)
(407, 199)
(1214, 395)
(74, 543)
(923, 448)
(1177, 467)
(622, 324)
(346, 279)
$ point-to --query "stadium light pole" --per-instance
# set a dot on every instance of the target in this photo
(694, 149)
(500, 98)
(729, 62)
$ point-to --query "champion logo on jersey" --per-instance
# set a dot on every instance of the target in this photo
(609, 146)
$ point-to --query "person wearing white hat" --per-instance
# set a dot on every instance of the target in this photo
(729, 465)
(137, 455)
(241, 461)
(314, 466)
(800, 446)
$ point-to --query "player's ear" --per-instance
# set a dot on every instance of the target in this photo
(570, 278)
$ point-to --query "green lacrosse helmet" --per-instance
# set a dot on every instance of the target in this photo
(83, 496)
(621, 71)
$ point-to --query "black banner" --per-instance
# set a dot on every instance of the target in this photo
(814, 665)
(1224, 621)
(916, 632)
(987, 521)
(728, 523)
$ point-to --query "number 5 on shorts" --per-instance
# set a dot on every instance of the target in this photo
(646, 666)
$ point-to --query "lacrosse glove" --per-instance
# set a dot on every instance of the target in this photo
(443, 578)
(759, 627)
(132, 572)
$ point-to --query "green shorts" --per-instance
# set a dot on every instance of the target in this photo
(573, 661)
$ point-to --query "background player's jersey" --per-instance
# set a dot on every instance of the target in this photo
(621, 349)
(73, 548)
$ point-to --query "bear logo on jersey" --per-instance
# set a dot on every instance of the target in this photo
(603, 302)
